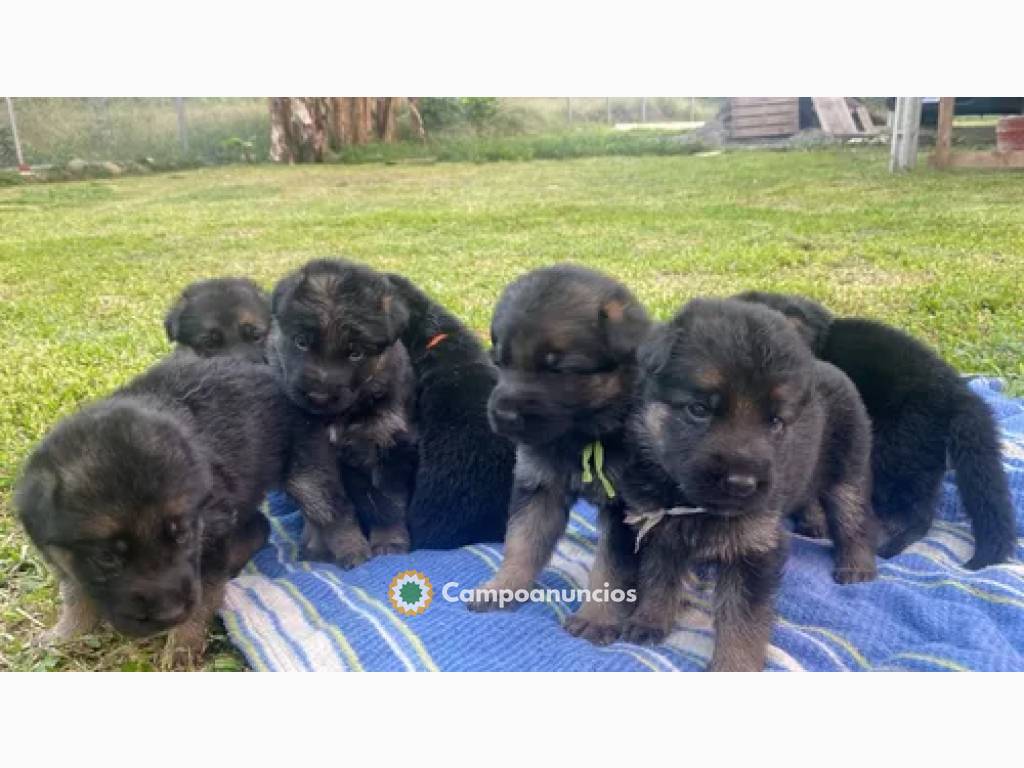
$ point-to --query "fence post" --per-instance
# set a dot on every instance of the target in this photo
(179, 106)
(14, 133)
(608, 108)
(643, 109)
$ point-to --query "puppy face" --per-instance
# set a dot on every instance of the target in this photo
(565, 340)
(333, 322)
(112, 498)
(723, 384)
(224, 316)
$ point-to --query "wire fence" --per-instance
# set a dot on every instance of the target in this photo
(57, 132)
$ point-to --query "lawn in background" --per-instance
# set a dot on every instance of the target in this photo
(87, 270)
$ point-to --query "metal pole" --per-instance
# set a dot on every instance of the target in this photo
(608, 108)
(643, 110)
(14, 132)
(179, 106)
(693, 109)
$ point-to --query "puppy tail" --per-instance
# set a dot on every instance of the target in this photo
(974, 450)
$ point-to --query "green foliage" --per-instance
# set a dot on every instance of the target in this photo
(88, 268)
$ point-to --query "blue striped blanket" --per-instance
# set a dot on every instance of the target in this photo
(924, 612)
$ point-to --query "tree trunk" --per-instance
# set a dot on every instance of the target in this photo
(387, 109)
(298, 129)
(417, 118)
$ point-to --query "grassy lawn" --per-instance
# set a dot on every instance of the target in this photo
(88, 268)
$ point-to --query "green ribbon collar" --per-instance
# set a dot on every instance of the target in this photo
(593, 454)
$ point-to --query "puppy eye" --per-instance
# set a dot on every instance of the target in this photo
(356, 355)
(698, 411)
(212, 341)
(301, 341)
(106, 560)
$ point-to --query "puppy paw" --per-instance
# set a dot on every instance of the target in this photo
(184, 648)
(352, 556)
(492, 596)
(642, 631)
(855, 575)
(349, 550)
(390, 548)
(594, 631)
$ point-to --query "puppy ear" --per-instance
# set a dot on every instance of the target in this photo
(811, 322)
(173, 317)
(395, 310)
(284, 289)
(654, 353)
(625, 324)
(35, 499)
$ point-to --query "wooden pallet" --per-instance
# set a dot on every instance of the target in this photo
(757, 118)
(834, 115)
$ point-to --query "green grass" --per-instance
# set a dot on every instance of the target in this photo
(88, 268)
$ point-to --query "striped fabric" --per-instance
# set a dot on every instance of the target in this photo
(924, 612)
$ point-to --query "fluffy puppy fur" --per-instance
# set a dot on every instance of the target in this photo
(565, 341)
(148, 501)
(920, 409)
(464, 472)
(738, 420)
(334, 342)
(223, 316)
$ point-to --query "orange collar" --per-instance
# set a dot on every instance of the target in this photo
(436, 340)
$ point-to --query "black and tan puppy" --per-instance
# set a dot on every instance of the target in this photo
(463, 471)
(335, 344)
(920, 409)
(738, 426)
(565, 341)
(221, 316)
(148, 501)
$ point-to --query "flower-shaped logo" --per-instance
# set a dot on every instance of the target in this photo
(410, 593)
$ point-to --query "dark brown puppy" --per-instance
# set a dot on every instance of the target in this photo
(738, 426)
(147, 502)
(335, 345)
(920, 409)
(222, 316)
(565, 341)
(463, 471)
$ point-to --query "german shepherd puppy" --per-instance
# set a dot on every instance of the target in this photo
(920, 408)
(463, 471)
(222, 316)
(565, 341)
(738, 426)
(335, 343)
(147, 502)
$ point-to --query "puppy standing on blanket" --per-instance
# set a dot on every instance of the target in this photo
(920, 408)
(738, 426)
(565, 341)
(335, 344)
(147, 502)
(222, 316)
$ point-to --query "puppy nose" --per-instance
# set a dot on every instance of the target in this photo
(740, 486)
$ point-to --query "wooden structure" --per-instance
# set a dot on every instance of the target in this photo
(760, 118)
(751, 118)
(944, 157)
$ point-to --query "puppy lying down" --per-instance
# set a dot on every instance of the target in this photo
(147, 502)
(737, 426)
